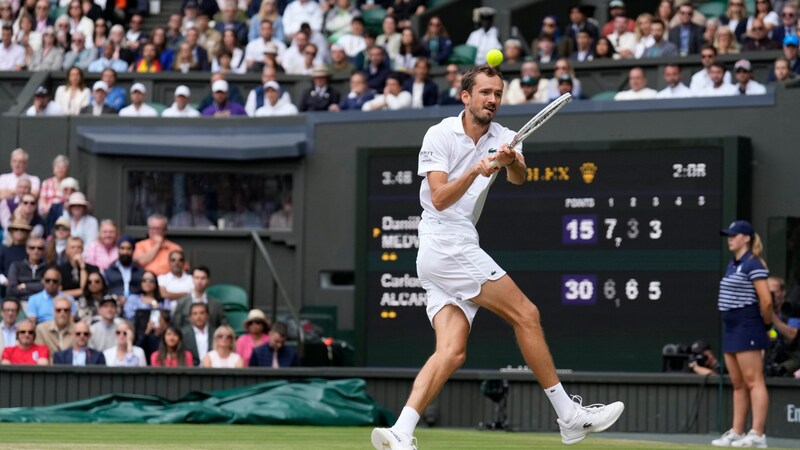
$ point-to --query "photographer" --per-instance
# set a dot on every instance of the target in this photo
(702, 360)
(784, 355)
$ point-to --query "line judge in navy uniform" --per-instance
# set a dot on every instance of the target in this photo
(746, 305)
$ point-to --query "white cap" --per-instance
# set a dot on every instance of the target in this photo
(100, 85)
(138, 87)
(272, 85)
(183, 90)
(219, 85)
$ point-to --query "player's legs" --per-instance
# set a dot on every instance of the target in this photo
(752, 369)
(452, 329)
(741, 397)
(505, 299)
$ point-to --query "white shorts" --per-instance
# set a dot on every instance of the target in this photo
(452, 269)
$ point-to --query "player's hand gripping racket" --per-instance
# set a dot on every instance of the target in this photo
(538, 120)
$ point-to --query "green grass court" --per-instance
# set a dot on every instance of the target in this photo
(116, 436)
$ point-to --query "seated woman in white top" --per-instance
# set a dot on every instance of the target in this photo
(223, 355)
(125, 354)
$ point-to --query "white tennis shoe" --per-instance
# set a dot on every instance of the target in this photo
(589, 419)
(389, 439)
(727, 439)
(751, 440)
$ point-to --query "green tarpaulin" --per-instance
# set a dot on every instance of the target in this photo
(307, 402)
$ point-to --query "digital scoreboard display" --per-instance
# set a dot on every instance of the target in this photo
(617, 244)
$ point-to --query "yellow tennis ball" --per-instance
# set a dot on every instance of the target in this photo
(494, 57)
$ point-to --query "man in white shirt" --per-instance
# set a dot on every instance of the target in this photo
(675, 87)
(393, 97)
(638, 84)
(42, 106)
(19, 167)
(176, 283)
(701, 79)
(459, 159)
(624, 41)
(254, 52)
(719, 87)
(12, 55)
(273, 106)
(258, 96)
(353, 42)
(484, 38)
(299, 12)
(294, 55)
(744, 79)
(181, 108)
(138, 108)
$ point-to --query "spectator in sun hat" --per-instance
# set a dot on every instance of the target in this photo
(82, 224)
(257, 335)
(181, 108)
(320, 95)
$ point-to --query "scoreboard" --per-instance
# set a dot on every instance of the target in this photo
(617, 243)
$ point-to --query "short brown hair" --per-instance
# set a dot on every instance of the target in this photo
(468, 79)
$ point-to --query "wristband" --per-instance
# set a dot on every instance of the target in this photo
(512, 162)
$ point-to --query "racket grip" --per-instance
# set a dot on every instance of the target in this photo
(494, 164)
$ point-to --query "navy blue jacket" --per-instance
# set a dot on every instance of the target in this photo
(356, 103)
(93, 357)
(114, 279)
(430, 93)
(262, 357)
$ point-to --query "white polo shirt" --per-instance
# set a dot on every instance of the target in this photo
(679, 91)
(723, 90)
(173, 111)
(446, 148)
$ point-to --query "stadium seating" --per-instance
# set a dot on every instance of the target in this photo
(605, 95)
(463, 54)
(233, 297)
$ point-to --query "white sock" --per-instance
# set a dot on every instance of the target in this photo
(564, 406)
(407, 421)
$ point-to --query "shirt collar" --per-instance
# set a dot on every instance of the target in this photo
(458, 126)
(198, 330)
(746, 255)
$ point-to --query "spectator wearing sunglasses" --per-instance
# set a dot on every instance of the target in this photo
(25, 279)
(56, 334)
(26, 351)
(80, 354)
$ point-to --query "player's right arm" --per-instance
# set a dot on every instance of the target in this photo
(444, 194)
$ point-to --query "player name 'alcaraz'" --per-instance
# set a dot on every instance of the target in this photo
(404, 299)
(406, 281)
(389, 223)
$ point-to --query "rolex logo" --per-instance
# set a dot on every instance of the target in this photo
(588, 171)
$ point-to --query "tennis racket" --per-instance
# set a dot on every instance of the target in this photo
(538, 120)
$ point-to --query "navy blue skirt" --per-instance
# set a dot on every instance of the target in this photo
(744, 330)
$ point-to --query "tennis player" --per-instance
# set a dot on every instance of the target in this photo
(459, 277)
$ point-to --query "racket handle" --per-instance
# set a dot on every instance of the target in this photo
(494, 164)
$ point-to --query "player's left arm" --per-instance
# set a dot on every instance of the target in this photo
(514, 162)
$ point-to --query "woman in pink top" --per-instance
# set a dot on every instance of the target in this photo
(257, 328)
(171, 352)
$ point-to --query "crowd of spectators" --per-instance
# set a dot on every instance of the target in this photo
(317, 38)
(78, 293)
